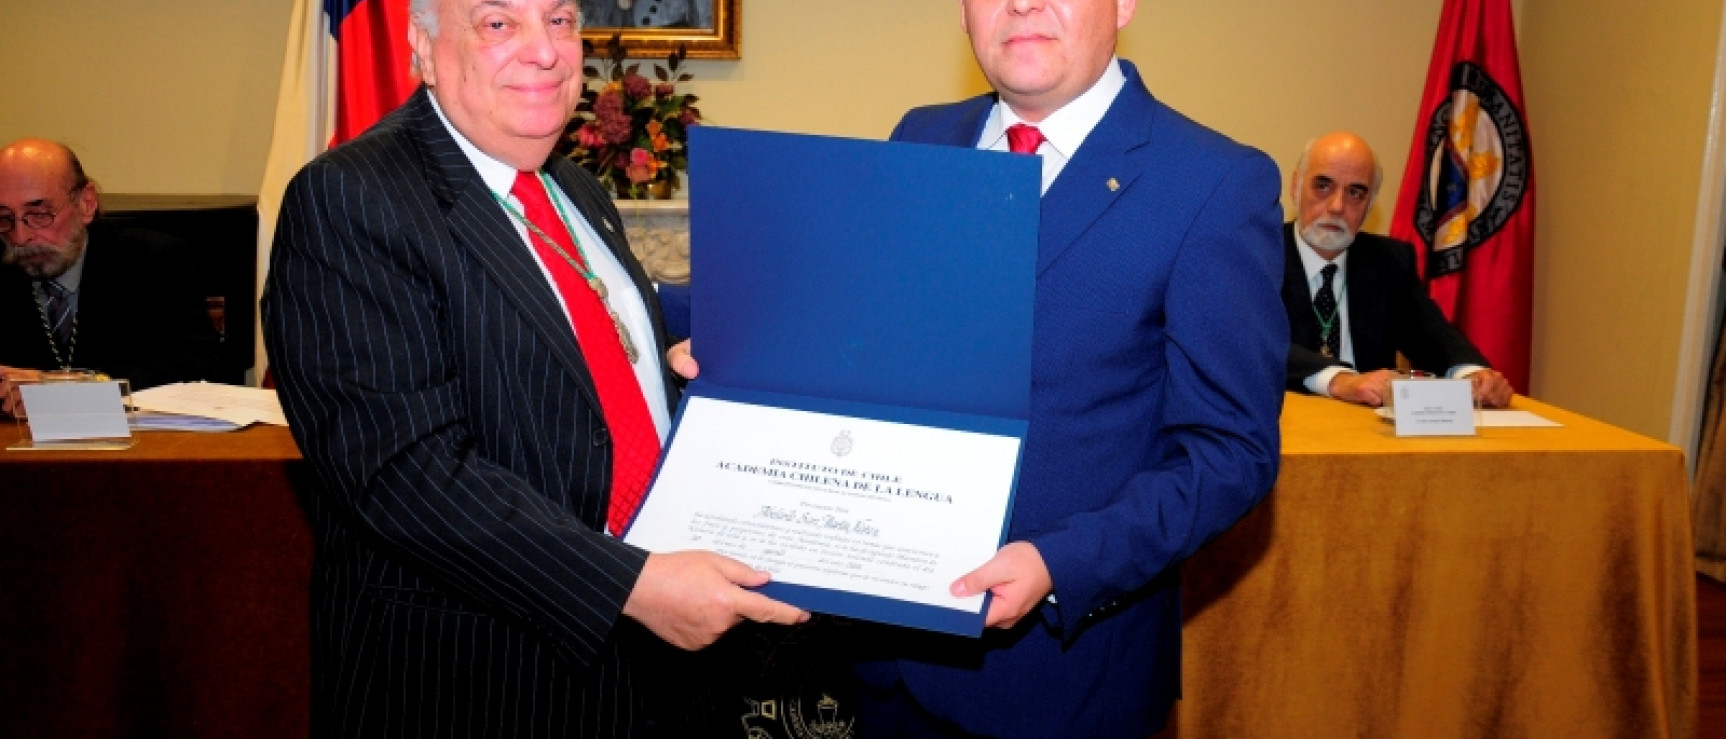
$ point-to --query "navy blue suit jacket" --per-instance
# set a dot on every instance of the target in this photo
(461, 583)
(1158, 347)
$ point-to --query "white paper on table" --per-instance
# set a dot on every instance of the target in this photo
(1498, 418)
(157, 421)
(1515, 419)
(231, 403)
(877, 508)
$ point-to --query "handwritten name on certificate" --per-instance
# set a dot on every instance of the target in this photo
(874, 508)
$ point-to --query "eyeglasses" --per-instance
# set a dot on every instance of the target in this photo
(37, 219)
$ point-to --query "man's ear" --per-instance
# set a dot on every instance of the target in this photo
(87, 201)
(422, 46)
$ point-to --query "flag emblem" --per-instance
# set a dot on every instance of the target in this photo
(1476, 170)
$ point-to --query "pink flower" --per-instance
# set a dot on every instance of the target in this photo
(642, 166)
(589, 137)
(664, 90)
(688, 118)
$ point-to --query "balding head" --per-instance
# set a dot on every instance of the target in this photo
(45, 204)
(1333, 188)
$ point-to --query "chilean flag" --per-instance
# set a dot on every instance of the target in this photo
(1467, 198)
(347, 64)
(373, 74)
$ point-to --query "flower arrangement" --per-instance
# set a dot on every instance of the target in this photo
(629, 132)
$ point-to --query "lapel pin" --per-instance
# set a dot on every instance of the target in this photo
(1113, 185)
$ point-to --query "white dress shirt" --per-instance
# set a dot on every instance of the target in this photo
(1064, 129)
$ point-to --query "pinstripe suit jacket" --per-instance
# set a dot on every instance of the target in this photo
(462, 586)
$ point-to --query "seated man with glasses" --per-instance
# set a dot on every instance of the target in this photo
(77, 293)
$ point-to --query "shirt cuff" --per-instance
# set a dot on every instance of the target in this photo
(1319, 382)
(1463, 370)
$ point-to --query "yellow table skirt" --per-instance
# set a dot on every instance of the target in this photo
(1525, 582)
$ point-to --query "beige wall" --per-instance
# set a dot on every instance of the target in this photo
(851, 69)
(171, 96)
(177, 96)
(1618, 98)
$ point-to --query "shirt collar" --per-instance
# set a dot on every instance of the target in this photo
(497, 175)
(1067, 127)
(1310, 259)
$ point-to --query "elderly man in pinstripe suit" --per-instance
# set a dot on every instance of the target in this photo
(437, 317)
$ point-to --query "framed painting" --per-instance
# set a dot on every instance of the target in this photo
(709, 29)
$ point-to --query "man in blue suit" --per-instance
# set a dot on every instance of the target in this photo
(1157, 376)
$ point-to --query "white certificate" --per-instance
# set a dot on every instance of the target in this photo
(866, 518)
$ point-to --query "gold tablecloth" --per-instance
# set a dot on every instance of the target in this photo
(1524, 582)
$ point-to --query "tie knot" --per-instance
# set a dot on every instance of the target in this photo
(1329, 271)
(1024, 139)
(527, 188)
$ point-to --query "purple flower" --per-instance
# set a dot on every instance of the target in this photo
(636, 86)
(609, 121)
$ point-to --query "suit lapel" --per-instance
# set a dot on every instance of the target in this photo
(477, 224)
(1114, 152)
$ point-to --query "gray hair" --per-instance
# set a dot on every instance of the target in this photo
(424, 14)
(421, 13)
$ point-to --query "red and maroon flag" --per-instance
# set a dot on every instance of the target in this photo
(1467, 197)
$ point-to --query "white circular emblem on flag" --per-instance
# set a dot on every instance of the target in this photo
(1476, 169)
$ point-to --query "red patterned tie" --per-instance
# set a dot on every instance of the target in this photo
(635, 443)
(1024, 139)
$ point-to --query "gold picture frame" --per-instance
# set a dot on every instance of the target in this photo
(717, 38)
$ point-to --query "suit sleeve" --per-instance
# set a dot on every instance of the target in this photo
(375, 396)
(1217, 444)
(1304, 363)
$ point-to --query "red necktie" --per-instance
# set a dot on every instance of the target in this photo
(1024, 139)
(635, 443)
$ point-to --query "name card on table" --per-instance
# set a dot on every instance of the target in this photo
(75, 415)
(1433, 407)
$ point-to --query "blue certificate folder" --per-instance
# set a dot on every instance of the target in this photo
(889, 281)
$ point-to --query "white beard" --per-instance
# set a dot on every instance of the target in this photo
(1327, 239)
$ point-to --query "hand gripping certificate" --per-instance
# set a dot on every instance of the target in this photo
(865, 370)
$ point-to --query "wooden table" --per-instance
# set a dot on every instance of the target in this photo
(1523, 582)
(158, 591)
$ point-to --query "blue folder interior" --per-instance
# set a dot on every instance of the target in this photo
(879, 280)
